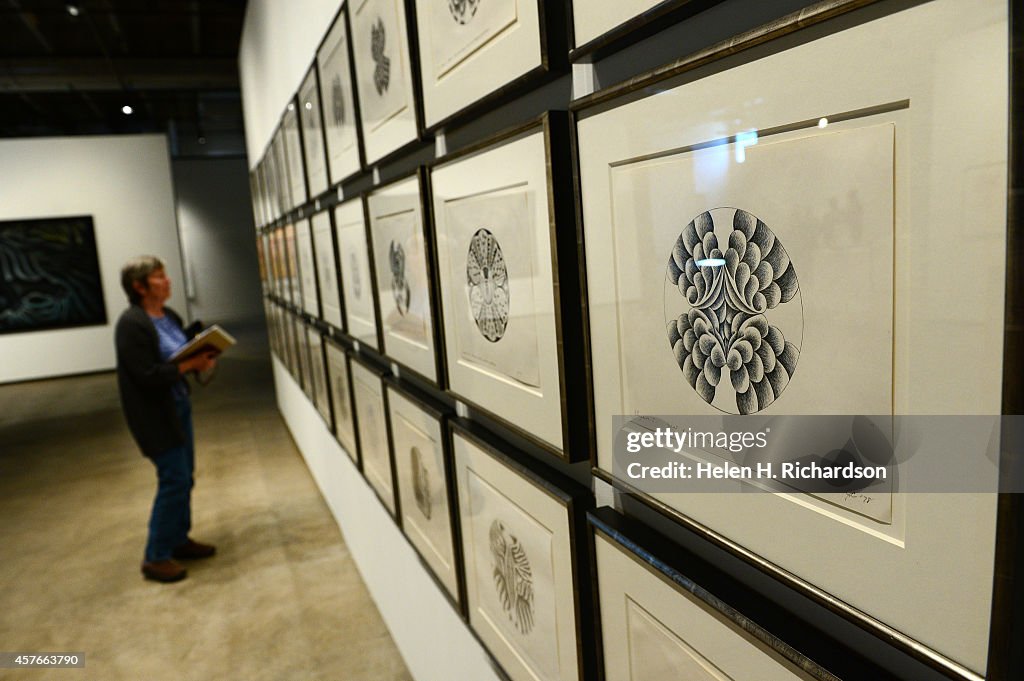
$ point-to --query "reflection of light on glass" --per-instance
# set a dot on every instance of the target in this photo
(711, 262)
(744, 140)
(126, 110)
(309, 106)
(822, 122)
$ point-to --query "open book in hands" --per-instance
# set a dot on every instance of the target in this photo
(212, 339)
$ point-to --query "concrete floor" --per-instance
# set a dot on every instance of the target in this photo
(281, 600)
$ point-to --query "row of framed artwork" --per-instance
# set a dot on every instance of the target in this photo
(464, 274)
(389, 71)
(551, 587)
(724, 236)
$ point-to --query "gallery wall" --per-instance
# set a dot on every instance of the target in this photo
(215, 220)
(124, 183)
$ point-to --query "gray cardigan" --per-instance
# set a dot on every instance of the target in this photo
(145, 382)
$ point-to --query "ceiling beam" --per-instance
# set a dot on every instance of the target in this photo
(30, 25)
(101, 74)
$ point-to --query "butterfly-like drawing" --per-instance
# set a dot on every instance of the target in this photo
(730, 292)
(513, 578)
(487, 278)
(463, 10)
(382, 72)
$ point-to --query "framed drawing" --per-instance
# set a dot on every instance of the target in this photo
(318, 375)
(423, 473)
(340, 382)
(50, 275)
(338, 98)
(305, 345)
(293, 286)
(358, 288)
(281, 174)
(292, 146)
(511, 319)
(402, 267)
(470, 50)
(519, 544)
(600, 26)
(254, 197)
(312, 134)
(657, 621)
(384, 76)
(277, 261)
(371, 424)
(327, 269)
(831, 144)
(309, 298)
(297, 344)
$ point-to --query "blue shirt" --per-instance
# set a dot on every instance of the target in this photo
(171, 337)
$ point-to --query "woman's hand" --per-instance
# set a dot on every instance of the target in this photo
(201, 362)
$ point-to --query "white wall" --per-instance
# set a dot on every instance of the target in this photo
(279, 41)
(124, 183)
(218, 240)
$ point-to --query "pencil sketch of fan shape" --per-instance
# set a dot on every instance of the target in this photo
(513, 579)
(463, 10)
(726, 310)
(487, 278)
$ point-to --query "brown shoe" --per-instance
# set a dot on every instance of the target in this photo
(191, 550)
(163, 571)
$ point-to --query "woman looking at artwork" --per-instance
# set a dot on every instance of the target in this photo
(155, 401)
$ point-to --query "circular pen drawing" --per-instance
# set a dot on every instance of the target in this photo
(382, 70)
(729, 297)
(463, 10)
(487, 277)
(513, 578)
(399, 283)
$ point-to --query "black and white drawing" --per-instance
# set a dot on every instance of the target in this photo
(513, 578)
(488, 286)
(337, 101)
(399, 283)
(382, 71)
(463, 10)
(730, 294)
(420, 482)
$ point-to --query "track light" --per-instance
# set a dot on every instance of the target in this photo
(127, 110)
(73, 9)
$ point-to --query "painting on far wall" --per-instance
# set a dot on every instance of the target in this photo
(49, 275)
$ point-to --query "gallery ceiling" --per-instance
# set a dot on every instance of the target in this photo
(71, 68)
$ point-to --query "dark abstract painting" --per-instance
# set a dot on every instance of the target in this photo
(49, 275)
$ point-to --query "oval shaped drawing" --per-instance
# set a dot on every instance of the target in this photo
(726, 308)
(399, 285)
(513, 579)
(487, 278)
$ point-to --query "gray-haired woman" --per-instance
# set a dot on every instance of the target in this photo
(155, 400)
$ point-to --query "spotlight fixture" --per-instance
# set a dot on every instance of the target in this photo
(822, 122)
(73, 9)
(202, 140)
(126, 110)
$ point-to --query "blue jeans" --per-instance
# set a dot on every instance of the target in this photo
(171, 518)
